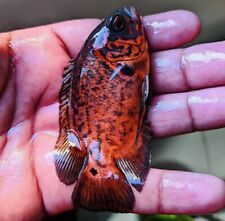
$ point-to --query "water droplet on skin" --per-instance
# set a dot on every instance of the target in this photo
(169, 183)
(194, 59)
(13, 158)
(159, 26)
(50, 133)
(49, 157)
(168, 105)
(162, 64)
(16, 135)
(33, 40)
(14, 130)
(202, 100)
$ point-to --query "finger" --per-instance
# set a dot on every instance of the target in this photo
(74, 33)
(165, 30)
(171, 29)
(35, 59)
(180, 193)
(35, 64)
(4, 63)
(55, 194)
(174, 114)
(196, 67)
(18, 183)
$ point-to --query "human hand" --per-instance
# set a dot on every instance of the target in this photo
(31, 67)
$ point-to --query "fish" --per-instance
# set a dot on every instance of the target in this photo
(104, 137)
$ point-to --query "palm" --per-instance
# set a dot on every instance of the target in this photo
(31, 73)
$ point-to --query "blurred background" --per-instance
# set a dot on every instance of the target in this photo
(200, 152)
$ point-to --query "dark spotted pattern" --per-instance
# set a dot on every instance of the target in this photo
(104, 139)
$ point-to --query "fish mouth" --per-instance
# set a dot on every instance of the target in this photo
(131, 11)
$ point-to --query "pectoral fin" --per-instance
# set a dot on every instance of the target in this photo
(134, 172)
(69, 158)
(135, 168)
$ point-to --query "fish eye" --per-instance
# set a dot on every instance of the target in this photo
(118, 23)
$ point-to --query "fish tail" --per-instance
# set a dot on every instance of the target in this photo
(105, 194)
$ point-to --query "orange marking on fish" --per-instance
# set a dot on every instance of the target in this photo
(104, 136)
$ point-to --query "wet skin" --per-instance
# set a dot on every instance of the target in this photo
(29, 85)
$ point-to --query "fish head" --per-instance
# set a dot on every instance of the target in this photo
(119, 38)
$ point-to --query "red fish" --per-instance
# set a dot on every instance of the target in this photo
(104, 137)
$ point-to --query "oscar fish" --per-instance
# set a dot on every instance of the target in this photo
(103, 144)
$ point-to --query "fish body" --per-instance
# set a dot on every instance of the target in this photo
(104, 137)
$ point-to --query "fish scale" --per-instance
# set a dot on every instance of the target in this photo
(104, 139)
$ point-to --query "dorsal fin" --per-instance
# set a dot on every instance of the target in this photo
(69, 151)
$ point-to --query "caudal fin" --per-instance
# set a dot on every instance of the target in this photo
(105, 194)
